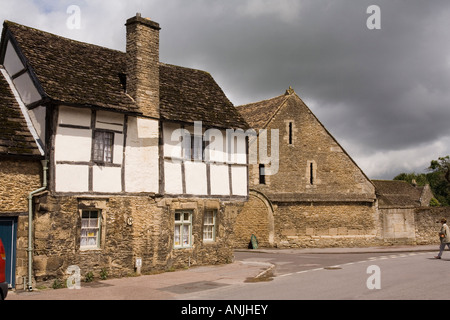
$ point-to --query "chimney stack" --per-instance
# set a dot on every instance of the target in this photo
(143, 64)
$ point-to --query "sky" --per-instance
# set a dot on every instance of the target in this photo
(378, 80)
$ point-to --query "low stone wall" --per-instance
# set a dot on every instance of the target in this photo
(427, 224)
(325, 225)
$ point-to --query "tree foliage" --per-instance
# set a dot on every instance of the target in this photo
(438, 178)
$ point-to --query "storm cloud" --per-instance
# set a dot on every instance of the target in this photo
(384, 94)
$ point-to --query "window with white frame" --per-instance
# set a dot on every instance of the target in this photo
(209, 225)
(90, 229)
(183, 229)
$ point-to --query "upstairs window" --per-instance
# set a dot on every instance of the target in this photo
(194, 148)
(103, 147)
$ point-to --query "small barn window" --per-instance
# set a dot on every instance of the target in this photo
(262, 174)
(311, 173)
(290, 132)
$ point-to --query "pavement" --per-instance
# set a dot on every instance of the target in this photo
(179, 284)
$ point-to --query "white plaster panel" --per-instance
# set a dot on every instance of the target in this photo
(73, 144)
(71, 178)
(216, 149)
(236, 147)
(147, 129)
(220, 181)
(26, 89)
(239, 180)
(118, 148)
(12, 62)
(172, 149)
(141, 157)
(75, 116)
(106, 179)
(195, 175)
(109, 121)
(173, 178)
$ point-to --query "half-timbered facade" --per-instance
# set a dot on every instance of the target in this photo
(147, 162)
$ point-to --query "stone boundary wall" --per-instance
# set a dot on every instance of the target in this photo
(427, 224)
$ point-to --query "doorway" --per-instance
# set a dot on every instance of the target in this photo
(8, 234)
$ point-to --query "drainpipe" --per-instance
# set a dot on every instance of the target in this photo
(30, 223)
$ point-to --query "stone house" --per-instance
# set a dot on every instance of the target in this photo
(20, 174)
(140, 174)
(316, 196)
(398, 204)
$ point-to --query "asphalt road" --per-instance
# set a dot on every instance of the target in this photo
(405, 276)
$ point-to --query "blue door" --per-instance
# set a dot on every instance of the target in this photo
(8, 231)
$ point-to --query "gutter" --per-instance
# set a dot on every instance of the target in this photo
(30, 223)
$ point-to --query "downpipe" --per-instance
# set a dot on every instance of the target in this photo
(30, 223)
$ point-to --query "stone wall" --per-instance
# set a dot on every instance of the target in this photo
(132, 227)
(17, 179)
(335, 175)
(326, 225)
(427, 224)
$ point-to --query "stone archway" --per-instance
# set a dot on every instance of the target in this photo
(255, 218)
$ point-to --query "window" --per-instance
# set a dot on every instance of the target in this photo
(290, 133)
(311, 173)
(183, 229)
(194, 147)
(262, 174)
(103, 147)
(90, 229)
(209, 225)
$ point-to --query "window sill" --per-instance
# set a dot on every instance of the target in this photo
(90, 249)
(181, 248)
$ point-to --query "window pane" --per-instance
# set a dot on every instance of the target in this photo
(177, 216)
(177, 237)
(185, 235)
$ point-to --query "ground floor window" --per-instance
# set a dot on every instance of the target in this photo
(183, 229)
(90, 229)
(209, 226)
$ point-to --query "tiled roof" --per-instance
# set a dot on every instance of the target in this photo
(15, 137)
(74, 72)
(396, 193)
(258, 114)
(190, 95)
(83, 74)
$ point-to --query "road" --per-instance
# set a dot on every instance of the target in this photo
(405, 276)
(338, 274)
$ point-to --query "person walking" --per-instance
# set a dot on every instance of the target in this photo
(444, 236)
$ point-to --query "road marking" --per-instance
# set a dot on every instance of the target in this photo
(393, 256)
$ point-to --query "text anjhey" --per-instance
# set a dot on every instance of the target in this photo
(241, 309)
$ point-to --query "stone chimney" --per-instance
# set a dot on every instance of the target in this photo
(142, 81)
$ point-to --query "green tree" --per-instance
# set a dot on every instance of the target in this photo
(438, 178)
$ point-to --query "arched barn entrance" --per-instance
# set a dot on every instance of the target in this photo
(256, 218)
